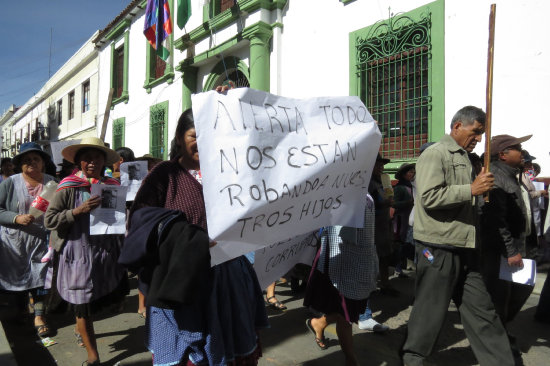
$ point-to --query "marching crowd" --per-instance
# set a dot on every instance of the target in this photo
(433, 217)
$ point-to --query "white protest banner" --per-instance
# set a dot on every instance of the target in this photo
(273, 261)
(57, 147)
(131, 175)
(274, 168)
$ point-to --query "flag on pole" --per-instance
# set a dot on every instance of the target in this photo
(158, 25)
(184, 12)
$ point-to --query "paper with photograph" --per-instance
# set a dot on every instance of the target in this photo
(110, 216)
(526, 275)
(131, 175)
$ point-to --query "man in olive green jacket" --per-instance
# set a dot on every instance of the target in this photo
(446, 234)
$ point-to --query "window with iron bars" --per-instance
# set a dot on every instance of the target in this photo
(158, 126)
(394, 72)
(118, 132)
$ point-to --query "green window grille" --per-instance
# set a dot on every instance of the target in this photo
(118, 132)
(238, 79)
(394, 75)
(158, 119)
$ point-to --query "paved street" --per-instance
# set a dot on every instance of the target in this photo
(287, 342)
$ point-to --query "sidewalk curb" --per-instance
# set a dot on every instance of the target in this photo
(6, 355)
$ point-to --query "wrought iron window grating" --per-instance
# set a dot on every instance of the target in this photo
(158, 124)
(394, 73)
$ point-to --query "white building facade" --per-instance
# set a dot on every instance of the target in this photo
(65, 108)
(414, 63)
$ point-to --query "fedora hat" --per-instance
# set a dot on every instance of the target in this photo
(69, 152)
(28, 147)
(502, 142)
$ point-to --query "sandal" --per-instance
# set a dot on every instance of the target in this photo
(142, 314)
(321, 342)
(79, 340)
(42, 330)
(275, 304)
(95, 363)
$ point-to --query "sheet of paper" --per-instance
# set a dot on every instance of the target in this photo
(110, 216)
(526, 275)
(274, 167)
(273, 261)
(131, 176)
(57, 146)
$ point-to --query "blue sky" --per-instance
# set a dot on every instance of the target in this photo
(25, 27)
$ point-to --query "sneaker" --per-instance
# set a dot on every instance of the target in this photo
(373, 326)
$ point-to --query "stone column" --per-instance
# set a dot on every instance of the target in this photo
(259, 35)
(189, 85)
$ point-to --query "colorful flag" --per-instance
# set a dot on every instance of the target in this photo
(184, 12)
(158, 25)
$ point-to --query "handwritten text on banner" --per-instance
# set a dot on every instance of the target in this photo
(274, 167)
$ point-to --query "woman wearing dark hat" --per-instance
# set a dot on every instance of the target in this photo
(88, 275)
(403, 202)
(6, 169)
(23, 238)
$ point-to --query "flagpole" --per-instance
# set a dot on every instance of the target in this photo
(489, 92)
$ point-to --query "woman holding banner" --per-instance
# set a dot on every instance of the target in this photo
(88, 276)
(342, 277)
(220, 326)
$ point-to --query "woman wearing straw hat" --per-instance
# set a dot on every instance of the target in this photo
(88, 275)
(23, 237)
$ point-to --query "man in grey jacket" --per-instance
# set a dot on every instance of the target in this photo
(446, 235)
(504, 227)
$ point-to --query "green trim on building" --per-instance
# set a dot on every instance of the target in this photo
(118, 29)
(219, 70)
(259, 35)
(158, 130)
(189, 86)
(258, 73)
(124, 97)
(214, 51)
(437, 127)
(118, 133)
(224, 19)
(436, 122)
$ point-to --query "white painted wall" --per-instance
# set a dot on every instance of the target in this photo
(136, 111)
(310, 57)
(314, 57)
(521, 73)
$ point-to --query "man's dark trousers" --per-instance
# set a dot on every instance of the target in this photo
(453, 274)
